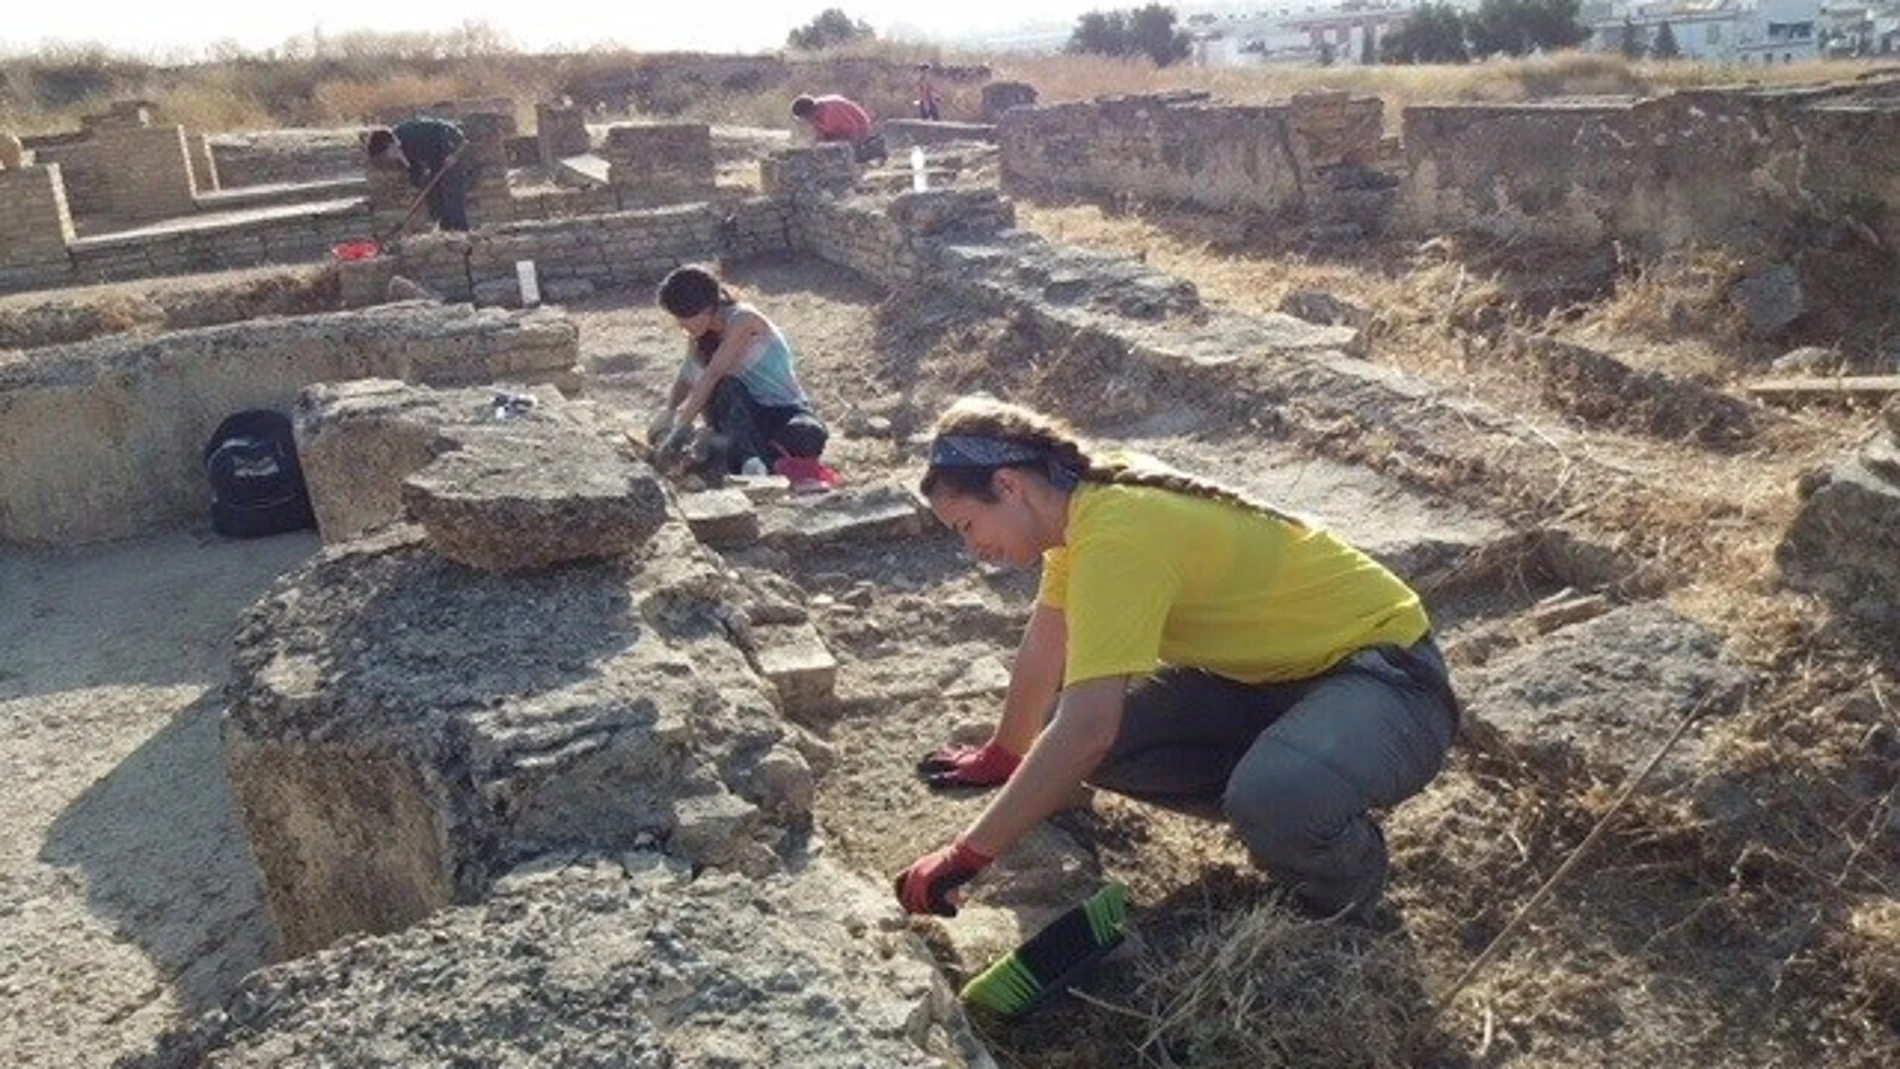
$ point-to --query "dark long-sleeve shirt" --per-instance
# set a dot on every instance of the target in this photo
(427, 144)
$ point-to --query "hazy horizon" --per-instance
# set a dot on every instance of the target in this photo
(715, 26)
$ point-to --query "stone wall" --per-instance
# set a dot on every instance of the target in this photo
(607, 251)
(801, 171)
(103, 439)
(277, 156)
(903, 133)
(1181, 148)
(1742, 169)
(35, 228)
(204, 169)
(660, 163)
(561, 131)
(302, 233)
(142, 173)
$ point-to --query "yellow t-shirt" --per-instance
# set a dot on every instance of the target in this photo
(1148, 577)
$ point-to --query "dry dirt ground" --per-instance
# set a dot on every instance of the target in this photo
(126, 896)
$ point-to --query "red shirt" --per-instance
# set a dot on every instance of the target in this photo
(834, 118)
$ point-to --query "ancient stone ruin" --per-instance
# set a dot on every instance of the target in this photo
(528, 754)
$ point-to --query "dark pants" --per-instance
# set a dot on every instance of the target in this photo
(763, 431)
(1295, 767)
(448, 198)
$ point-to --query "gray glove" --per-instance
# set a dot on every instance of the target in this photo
(661, 426)
(674, 442)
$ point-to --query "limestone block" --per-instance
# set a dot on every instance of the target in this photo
(631, 960)
(723, 519)
(402, 728)
(1606, 692)
(858, 515)
(798, 663)
(518, 495)
(1844, 543)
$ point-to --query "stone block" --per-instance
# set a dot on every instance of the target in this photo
(857, 515)
(799, 664)
(1606, 692)
(723, 519)
(520, 495)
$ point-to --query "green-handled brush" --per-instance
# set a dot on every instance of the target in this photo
(1055, 958)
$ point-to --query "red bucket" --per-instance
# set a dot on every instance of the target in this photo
(356, 250)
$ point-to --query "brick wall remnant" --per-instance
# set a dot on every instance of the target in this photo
(903, 133)
(999, 97)
(270, 157)
(485, 158)
(1640, 172)
(561, 130)
(816, 169)
(608, 251)
(35, 226)
(1184, 148)
(660, 163)
(204, 169)
(149, 403)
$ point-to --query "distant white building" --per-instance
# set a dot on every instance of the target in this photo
(1734, 31)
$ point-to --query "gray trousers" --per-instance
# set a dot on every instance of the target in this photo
(1294, 767)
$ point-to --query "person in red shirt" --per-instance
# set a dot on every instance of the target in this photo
(837, 118)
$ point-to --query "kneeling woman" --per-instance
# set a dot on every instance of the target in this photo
(1190, 648)
(739, 373)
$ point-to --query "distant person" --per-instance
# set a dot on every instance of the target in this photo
(834, 118)
(740, 374)
(928, 102)
(431, 151)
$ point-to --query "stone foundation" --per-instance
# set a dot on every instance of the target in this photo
(103, 439)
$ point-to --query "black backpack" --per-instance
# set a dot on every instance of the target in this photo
(257, 486)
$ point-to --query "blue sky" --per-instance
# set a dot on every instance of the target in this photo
(151, 28)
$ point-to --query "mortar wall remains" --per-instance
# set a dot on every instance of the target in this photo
(1184, 150)
(204, 170)
(608, 251)
(285, 235)
(278, 156)
(561, 131)
(799, 172)
(144, 173)
(660, 163)
(35, 226)
(485, 158)
(147, 404)
(1742, 170)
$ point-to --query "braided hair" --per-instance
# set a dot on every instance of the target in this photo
(978, 435)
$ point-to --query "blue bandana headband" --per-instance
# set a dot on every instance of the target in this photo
(976, 451)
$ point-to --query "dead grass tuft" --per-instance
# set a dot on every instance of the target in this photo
(1870, 946)
(1262, 987)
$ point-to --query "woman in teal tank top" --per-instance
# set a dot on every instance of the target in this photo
(740, 374)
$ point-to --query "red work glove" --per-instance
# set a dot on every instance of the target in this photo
(963, 765)
(925, 887)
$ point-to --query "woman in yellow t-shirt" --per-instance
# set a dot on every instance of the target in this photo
(1188, 647)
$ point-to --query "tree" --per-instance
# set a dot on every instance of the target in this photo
(1664, 46)
(1632, 44)
(1520, 27)
(832, 27)
(1432, 33)
(1368, 48)
(1148, 31)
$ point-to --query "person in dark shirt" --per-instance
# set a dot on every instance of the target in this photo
(430, 150)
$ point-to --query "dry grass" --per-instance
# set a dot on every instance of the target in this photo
(1261, 987)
